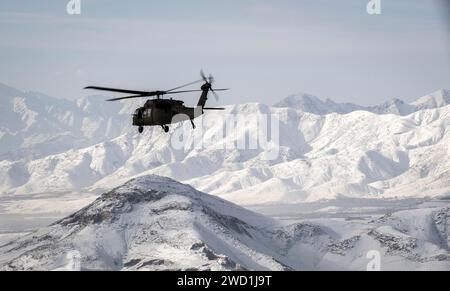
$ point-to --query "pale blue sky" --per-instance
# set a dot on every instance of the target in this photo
(263, 50)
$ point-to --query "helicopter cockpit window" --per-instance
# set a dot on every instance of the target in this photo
(148, 113)
(138, 113)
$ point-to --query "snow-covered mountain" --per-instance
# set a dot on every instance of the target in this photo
(315, 105)
(151, 223)
(34, 125)
(318, 156)
(155, 223)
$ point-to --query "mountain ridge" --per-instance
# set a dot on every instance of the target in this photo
(312, 104)
(358, 154)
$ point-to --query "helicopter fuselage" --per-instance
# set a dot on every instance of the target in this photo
(164, 111)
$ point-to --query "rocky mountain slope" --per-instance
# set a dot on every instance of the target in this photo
(151, 223)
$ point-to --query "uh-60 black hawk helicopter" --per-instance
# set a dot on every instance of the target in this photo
(161, 111)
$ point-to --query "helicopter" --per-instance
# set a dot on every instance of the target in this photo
(161, 112)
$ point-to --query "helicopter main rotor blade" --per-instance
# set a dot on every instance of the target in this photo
(126, 97)
(117, 90)
(184, 91)
(155, 93)
(187, 91)
(185, 85)
(142, 93)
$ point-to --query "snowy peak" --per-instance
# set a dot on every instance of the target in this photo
(394, 106)
(301, 101)
(7, 91)
(149, 223)
(153, 189)
(312, 104)
(434, 100)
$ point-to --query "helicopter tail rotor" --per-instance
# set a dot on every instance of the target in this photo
(209, 81)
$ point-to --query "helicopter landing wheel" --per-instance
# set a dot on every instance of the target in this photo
(166, 128)
(140, 129)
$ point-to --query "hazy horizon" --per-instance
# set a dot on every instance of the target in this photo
(262, 50)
